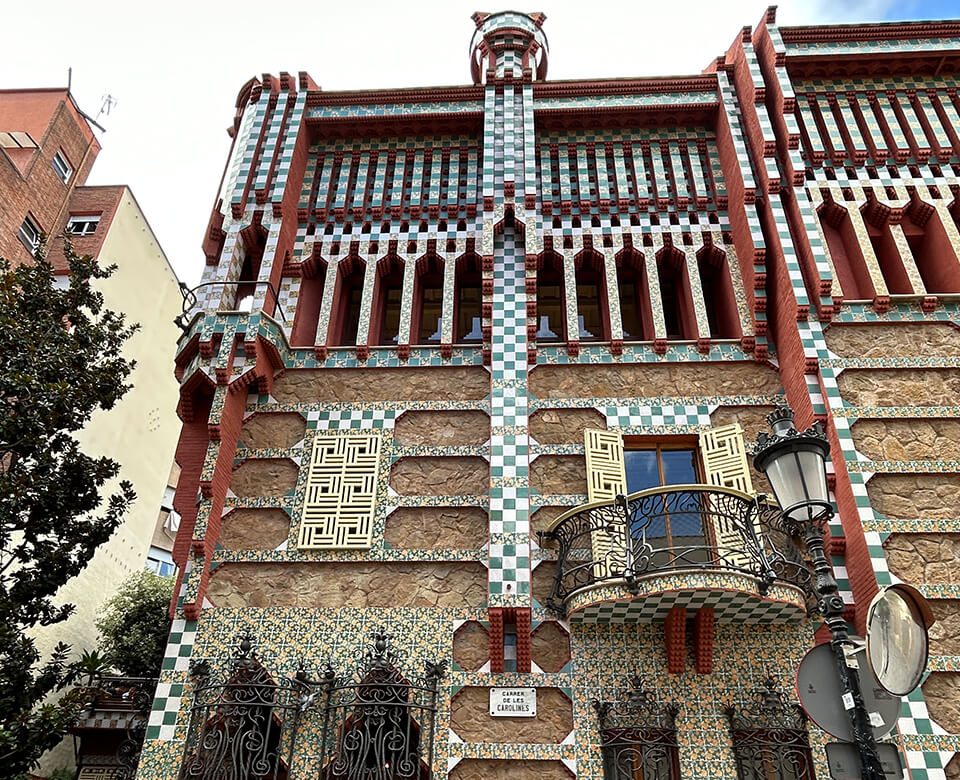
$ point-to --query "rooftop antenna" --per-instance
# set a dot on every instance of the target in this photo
(109, 101)
(85, 115)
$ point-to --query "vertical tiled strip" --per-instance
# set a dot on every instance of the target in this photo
(509, 469)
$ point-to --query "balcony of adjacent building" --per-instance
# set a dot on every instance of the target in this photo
(675, 543)
(109, 733)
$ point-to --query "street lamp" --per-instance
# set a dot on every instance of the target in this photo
(795, 464)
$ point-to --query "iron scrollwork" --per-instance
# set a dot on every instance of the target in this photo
(245, 727)
(638, 736)
(129, 699)
(379, 724)
(770, 738)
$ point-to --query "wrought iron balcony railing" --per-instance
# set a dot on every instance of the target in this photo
(677, 528)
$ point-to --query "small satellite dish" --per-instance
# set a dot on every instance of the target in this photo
(897, 640)
(821, 695)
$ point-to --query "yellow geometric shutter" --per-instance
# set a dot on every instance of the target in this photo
(606, 479)
(724, 455)
(341, 493)
(725, 458)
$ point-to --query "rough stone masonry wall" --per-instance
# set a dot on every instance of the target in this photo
(902, 395)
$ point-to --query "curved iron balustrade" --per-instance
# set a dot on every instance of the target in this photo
(672, 528)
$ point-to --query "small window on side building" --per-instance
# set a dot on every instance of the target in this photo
(29, 234)
(61, 166)
(83, 225)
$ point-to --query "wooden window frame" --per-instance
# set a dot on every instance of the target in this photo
(671, 444)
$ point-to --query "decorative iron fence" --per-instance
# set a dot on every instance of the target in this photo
(770, 738)
(244, 728)
(672, 528)
(120, 705)
(638, 736)
(379, 724)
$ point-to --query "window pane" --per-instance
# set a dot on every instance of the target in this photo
(629, 312)
(430, 319)
(589, 320)
(468, 313)
(550, 311)
(642, 470)
(679, 467)
(349, 337)
(390, 329)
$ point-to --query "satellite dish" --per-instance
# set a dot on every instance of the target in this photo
(897, 640)
(821, 695)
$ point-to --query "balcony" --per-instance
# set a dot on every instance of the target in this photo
(693, 546)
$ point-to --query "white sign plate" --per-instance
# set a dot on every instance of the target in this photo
(513, 702)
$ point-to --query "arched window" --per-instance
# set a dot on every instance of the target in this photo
(593, 319)
(718, 295)
(934, 256)
(254, 242)
(428, 300)
(678, 317)
(846, 253)
(348, 298)
(388, 301)
(887, 253)
(551, 305)
(313, 276)
(635, 314)
(468, 300)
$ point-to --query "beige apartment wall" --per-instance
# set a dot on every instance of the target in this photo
(140, 432)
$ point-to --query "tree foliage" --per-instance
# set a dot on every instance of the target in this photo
(135, 624)
(60, 360)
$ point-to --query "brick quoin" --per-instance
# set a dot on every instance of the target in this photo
(228, 430)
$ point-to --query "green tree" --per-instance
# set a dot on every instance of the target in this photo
(135, 624)
(60, 360)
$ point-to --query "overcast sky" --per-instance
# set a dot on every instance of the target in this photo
(175, 67)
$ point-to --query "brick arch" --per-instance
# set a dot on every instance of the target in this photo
(719, 296)
(633, 285)
(675, 295)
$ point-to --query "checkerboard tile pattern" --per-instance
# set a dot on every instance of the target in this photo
(176, 664)
(509, 549)
(729, 606)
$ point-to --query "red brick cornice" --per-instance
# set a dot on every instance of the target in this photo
(701, 83)
(379, 96)
(869, 32)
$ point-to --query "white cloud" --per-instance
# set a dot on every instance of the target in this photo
(175, 68)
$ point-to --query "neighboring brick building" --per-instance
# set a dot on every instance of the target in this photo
(437, 322)
(47, 148)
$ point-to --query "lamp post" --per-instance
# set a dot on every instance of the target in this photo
(794, 463)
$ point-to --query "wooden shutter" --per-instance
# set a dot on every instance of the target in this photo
(724, 456)
(341, 492)
(606, 479)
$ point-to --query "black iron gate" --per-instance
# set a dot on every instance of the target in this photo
(638, 736)
(244, 728)
(377, 723)
(770, 738)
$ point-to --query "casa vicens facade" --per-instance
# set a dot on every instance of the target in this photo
(441, 330)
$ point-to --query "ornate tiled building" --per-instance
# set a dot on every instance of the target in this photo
(440, 331)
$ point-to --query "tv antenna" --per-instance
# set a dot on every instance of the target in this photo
(109, 101)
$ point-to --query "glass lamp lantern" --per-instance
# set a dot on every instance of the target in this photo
(795, 464)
